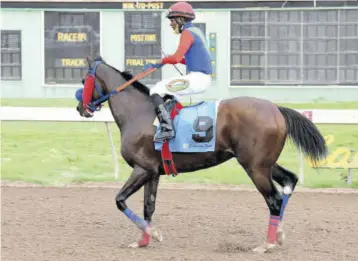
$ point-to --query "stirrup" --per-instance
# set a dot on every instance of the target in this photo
(162, 136)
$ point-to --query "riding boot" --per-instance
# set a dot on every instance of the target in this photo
(166, 125)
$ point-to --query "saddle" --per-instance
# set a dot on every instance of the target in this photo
(195, 126)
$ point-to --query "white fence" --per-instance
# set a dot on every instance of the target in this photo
(318, 116)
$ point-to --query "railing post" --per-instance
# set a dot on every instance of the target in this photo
(349, 177)
(114, 153)
(300, 166)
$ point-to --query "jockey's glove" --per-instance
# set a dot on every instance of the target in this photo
(153, 65)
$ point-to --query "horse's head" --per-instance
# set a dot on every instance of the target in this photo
(94, 90)
(100, 84)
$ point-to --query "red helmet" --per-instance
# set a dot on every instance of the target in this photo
(181, 9)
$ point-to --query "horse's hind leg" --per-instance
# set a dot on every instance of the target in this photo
(261, 177)
(284, 177)
(287, 180)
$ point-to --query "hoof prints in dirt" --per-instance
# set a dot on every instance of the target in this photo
(75, 224)
(228, 247)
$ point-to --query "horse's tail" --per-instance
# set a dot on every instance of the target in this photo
(304, 134)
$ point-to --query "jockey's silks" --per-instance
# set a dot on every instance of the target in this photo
(193, 48)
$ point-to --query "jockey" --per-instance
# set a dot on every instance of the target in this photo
(193, 52)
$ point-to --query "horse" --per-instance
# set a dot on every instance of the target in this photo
(252, 130)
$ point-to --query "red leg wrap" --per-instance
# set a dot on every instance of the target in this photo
(145, 240)
(274, 222)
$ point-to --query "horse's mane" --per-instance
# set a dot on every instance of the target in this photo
(137, 84)
(128, 76)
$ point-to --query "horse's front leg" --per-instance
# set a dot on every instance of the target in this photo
(137, 179)
(150, 194)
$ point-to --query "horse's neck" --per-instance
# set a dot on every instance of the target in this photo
(129, 104)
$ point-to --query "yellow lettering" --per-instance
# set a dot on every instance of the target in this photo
(334, 160)
(329, 140)
(141, 5)
(139, 62)
(59, 37)
(151, 61)
(71, 37)
(73, 62)
(128, 5)
(354, 162)
(134, 62)
(338, 158)
(143, 37)
(155, 5)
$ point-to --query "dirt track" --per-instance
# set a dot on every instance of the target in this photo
(83, 224)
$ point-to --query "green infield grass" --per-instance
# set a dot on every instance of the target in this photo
(61, 153)
(51, 153)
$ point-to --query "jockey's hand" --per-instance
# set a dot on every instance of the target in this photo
(153, 65)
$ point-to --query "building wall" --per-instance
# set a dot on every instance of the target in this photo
(31, 24)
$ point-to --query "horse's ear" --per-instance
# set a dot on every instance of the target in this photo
(89, 61)
(98, 58)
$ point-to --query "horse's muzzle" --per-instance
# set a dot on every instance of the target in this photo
(80, 110)
(83, 112)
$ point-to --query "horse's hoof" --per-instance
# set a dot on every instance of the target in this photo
(134, 245)
(280, 237)
(155, 233)
(264, 248)
(141, 243)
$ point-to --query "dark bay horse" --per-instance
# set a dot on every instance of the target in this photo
(253, 131)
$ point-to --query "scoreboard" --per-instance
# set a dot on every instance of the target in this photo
(142, 42)
(69, 38)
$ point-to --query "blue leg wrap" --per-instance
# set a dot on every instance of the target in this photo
(285, 198)
(140, 222)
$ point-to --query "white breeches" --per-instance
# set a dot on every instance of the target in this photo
(193, 83)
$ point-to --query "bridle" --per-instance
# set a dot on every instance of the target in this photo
(96, 105)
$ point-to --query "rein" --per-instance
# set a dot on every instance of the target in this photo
(96, 105)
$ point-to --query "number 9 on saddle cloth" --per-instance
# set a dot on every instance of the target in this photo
(195, 127)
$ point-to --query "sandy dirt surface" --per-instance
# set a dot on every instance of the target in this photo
(83, 223)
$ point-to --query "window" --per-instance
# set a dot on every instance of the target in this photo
(202, 27)
(143, 41)
(310, 47)
(348, 47)
(69, 38)
(320, 47)
(11, 55)
(283, 48)
(247, 47)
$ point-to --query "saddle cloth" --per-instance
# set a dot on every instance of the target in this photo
(195, 127)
